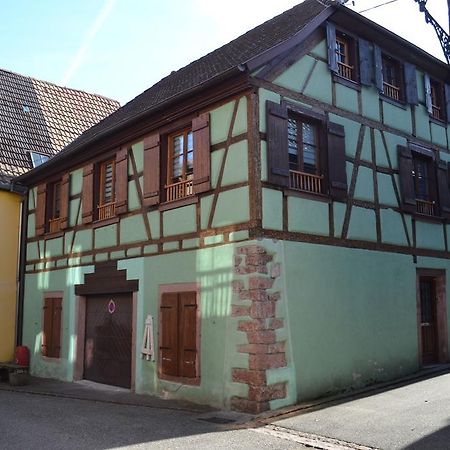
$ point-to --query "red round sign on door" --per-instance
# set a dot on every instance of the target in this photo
(112, 306)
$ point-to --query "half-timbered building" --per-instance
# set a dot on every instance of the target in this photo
(266, 225)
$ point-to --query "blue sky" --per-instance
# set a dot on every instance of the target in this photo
(119, 48)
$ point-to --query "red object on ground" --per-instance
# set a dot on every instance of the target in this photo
(22, 356)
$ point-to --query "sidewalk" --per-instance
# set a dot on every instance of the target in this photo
(86, 390)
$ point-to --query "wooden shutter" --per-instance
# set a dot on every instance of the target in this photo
(277, 144)
(47, 328)
(65, 190)
(443, 188)
(427, 86)
(337, 173)
(405, 167)
(87, 194)
(56, 328)
(331, 46)
(202, 153)
(168, 334)
(447, 101)
(365, 62)
(187, 357)
(40, 209)
(121, 180)
(410, 83)
(152, 180)
(378, 68)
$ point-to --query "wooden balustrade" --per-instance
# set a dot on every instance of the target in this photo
(54, 225)
(179, 190)
(345, 70)
(305, 181)
(391, 91)
(425, 207)
(436, 112)
(106, 211)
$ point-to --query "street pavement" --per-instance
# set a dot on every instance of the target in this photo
(36, 421)
(49, 414)
(416, 416)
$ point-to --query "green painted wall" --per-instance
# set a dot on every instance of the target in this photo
(352, 316)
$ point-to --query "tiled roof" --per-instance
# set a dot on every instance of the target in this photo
(42, 117)
(239, 51)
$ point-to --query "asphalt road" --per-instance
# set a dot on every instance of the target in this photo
(29, 421)
(416, 417)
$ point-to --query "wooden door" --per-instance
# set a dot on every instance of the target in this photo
(108, 339)
(428, 321)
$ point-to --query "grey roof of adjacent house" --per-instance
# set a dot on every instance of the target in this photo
(37, 116)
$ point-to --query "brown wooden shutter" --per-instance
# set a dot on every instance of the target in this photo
(337, 173)
(47, 328)
(331, 47)
(443, 188)
(65, 191)
(410, 83)
(168, 334)
(405, 167)
(427, 86)
(187, 358)
(40, 209)
(447, 101)
(56, 328)
(87, 194)
(121, 180)
(152, 180)
(378, 67)
(277, 144)
(365, 62)
(202, 153)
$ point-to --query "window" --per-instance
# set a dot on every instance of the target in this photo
(437, 99)
(38, 158)
(422, 184)
(54, 207)
(424, 181)
(345, 56)
(106, 191)
(180, 166)
(305, 152)
(178, 336)
(342, 53)
(177, 164)
(51, 333)
(392, 78)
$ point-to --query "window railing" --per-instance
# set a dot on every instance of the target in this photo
(436, 112)
(345, 70)
(305, 181)
(425, 207)
(106, 211)
(54, 224)
(391, 91)
(178, 190)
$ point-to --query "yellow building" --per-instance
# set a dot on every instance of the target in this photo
(37, 119)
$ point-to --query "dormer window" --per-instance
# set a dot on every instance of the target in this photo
(38, 158)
